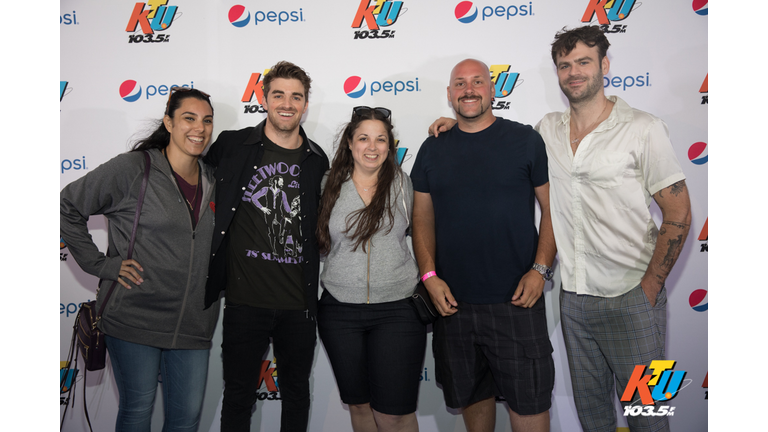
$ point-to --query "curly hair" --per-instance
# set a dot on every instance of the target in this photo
(566, 40)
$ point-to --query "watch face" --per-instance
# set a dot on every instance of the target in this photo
(548, 274)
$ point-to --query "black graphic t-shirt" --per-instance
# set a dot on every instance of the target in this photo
(265, 241)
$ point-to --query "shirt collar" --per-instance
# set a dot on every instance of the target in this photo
(621, 113)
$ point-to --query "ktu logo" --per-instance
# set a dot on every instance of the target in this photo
(608, 10)
(503, 79)
(665, 382)
(159, 13)
(380, 14)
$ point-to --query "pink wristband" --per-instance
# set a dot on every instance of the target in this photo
(428, 275)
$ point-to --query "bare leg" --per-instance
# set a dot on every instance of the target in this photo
(480, 416)
(396, 423)
(534, 423)
(362, 418)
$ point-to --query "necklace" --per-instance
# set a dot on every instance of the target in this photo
(592, 126)
(194, 198)
(197, 186)
(361, 186)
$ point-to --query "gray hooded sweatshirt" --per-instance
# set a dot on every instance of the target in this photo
(166, 310)
(386, 271)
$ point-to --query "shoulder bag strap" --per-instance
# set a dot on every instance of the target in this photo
(140, 202)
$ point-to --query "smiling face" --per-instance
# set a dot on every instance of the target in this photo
(285, 104)
(471, 91)
(369, 146)
(580, 73)
(190, 127)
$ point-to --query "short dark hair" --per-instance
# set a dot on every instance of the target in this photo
(287, 70)
(566, 40)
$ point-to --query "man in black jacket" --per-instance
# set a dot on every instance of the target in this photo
(271, 291)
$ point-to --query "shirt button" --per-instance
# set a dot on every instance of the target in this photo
(222, 232)
(233, 209)
(243, 187)
(255, 167)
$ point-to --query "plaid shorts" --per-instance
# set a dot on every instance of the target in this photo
(490, 350)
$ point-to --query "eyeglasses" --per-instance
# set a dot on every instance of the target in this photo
(365, 110)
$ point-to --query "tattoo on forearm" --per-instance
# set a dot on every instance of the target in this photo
(677, 188)
(673, 250)
(675, 224)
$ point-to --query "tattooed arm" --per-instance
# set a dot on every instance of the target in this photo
(675, 208)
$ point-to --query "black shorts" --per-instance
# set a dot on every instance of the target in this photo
(490, 350)
(376, 352)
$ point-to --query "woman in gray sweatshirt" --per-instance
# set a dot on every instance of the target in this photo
(154, 320)
(371, 332)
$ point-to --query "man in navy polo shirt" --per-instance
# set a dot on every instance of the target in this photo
(482, 260)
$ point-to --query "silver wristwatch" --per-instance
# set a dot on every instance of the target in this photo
(545, 271)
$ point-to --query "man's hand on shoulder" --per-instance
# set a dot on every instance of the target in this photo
(441, 296)
(443, 124)
(528, 290)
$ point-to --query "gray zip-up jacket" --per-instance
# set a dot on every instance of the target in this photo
(166, 310)
(386, 271)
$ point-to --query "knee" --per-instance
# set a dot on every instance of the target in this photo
(393, 422)
(359, 408)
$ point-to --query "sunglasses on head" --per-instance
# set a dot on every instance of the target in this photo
(365, 110)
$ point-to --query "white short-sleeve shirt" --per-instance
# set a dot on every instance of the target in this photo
(600, 197)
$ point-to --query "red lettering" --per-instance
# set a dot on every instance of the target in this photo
(704, 235)
(139, 16)
(640, 383)
(254, 87)
(364, 11)
(266, 376)
(596, 7)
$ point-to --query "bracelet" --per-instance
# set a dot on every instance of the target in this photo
(428, 275)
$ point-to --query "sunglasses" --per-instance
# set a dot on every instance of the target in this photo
(365, 110)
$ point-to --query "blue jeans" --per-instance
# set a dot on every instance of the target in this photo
(246, 335)
(183, 374)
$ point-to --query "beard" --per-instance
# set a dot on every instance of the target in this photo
(283, 124)
(589, 92)
(471, 116)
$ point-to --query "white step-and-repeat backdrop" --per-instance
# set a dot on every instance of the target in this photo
(119, 58)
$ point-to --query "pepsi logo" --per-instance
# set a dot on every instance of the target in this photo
(465, 12)
(700, 6)
(130, 91)
(698, 300)
(354, 87)
(698, 153)
(239, 16)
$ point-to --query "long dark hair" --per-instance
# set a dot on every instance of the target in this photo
(160, 138)
(362, 224)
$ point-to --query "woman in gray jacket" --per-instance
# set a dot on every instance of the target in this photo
(372, 334)
(154, 320)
